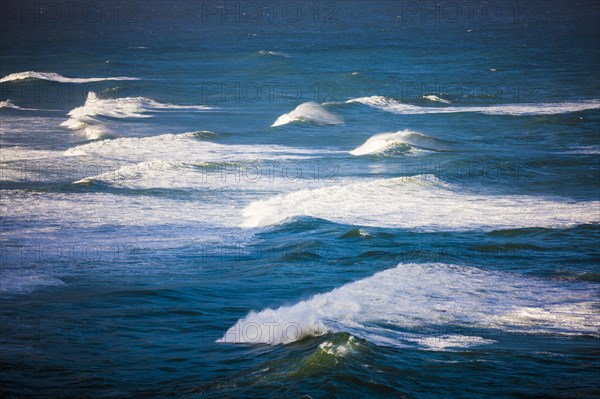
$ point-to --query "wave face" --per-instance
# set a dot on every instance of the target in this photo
(382, 142)
(419, 202)
(397, 107)
(55, 77)
(424, 298)
(85, 118)
(309, 112)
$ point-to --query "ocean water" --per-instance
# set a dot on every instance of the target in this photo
(300, 199)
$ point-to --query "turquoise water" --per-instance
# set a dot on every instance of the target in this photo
(302, 199)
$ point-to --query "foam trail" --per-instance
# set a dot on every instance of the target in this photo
(419, 202)
(309, 112)
(85, 117)
(379, 143)
(421, 297)
(397, 107)
(55, 77)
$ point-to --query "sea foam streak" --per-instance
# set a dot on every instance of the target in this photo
(309, 112)
(419, 202)
(397, 107)
(55, 77)
(421, 297)
(85, 117)
(381, 142)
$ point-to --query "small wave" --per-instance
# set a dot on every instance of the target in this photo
(85, 117)
(19, 284)
(357, 233)
(422, 300)
(436, 99)
(397, 107)
(419, 202)
(309, 112)
(275, 53)
(384, 141)
(9, 105)
(55, 77)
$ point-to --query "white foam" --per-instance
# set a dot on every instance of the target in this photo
(85, 117)
(309, 112)
(383, 141)
(434, 98)
(420, 202)
(412, 303)
(444, 342)
(398, 107)
(55, 77)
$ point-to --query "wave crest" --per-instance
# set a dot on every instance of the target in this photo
(381, 142)
(421, 298)
(434, 98)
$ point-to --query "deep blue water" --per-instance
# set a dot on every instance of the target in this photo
(300, 199)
